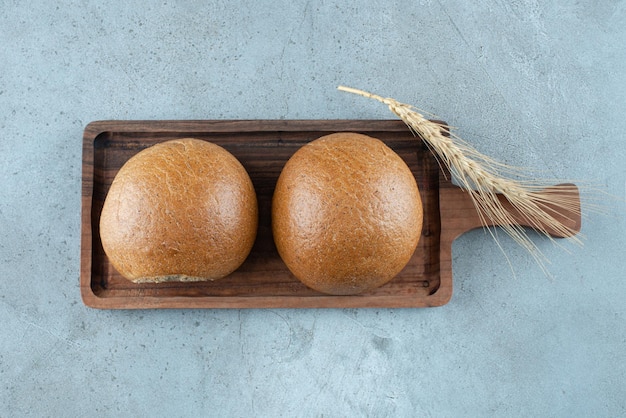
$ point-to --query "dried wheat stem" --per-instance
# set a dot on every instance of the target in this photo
(484, 179)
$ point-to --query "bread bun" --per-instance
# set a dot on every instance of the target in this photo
(181, 210)
(346, 214)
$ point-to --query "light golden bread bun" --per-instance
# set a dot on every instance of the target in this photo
(181, 210)
(346, 214)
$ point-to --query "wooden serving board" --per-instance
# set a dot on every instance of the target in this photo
(263, 281)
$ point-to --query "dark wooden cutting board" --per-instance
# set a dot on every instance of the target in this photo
(263, 281)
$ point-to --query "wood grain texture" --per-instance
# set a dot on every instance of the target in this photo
(263, 281)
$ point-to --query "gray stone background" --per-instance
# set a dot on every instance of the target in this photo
(539, 84)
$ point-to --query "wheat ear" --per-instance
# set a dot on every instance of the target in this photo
(484, 179)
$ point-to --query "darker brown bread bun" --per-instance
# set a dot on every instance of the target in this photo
(346, 214)
(181, 210)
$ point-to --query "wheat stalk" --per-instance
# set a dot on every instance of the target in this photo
(484, 179)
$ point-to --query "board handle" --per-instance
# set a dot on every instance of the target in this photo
(459, 215)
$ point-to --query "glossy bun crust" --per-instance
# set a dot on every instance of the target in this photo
(181, 210)
(346, 214)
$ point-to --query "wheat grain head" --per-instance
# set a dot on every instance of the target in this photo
(539, 204)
